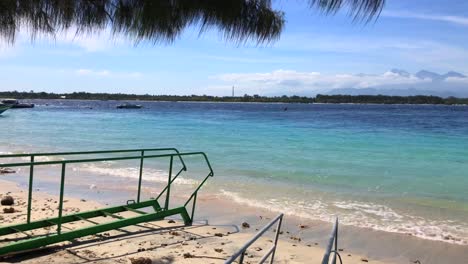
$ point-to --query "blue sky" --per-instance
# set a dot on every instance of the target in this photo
(315, 53)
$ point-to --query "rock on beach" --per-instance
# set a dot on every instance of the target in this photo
(7, 200)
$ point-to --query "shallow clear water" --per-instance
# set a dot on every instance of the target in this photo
(395, 168)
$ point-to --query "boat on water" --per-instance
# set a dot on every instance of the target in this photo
(16, 104)
(129, 106)
(3, 108)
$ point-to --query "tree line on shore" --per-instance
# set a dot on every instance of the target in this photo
(386, 99)
(331, 99)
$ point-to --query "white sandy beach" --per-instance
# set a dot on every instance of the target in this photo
(160, 241)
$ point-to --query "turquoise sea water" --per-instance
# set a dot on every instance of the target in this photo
(392, 168)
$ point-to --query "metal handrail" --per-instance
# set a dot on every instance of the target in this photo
(82, 152)
(160, 211)
(43, 154)
(23, 164)
(63, 163)
(32, 157)
(241, 252)
(332, 243)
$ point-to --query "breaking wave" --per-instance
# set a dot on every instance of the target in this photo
(364, 215)
(149, 174)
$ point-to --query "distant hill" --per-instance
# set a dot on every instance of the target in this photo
(429, 75)
(391, 92)
(386, 99)
(400, 72)
(438, 77)
(443, 85)
(453, 75)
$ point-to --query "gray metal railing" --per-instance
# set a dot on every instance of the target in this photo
(271, 252)
(332, 243)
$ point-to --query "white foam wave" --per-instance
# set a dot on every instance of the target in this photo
(385, 212)
(149, 174)
(27, 159)
(43, 158)
(283, 205)
(365, 215)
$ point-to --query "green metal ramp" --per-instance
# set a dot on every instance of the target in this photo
(152, 210)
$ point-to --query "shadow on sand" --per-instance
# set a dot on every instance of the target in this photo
(149, 230)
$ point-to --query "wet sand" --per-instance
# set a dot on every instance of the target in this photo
(207, 241)
(215, 209)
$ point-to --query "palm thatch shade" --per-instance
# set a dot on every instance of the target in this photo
(161, 20)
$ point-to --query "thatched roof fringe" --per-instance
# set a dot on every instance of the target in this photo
(160, 20)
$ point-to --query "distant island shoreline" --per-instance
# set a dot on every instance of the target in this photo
(319, 99)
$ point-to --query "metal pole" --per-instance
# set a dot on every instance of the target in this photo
(31, 174)
(330, 244)
(169, 184)
(336, 242)
(194, 202)
(141, 175)
(240, 253)
(241, 259)
(62, 184)
(336, 235)
(278, 228)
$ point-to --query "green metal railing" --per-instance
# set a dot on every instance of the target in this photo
(32, 157)
(160, 212)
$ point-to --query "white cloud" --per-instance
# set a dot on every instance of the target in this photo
(7, 50)
(418, 53)
(89, 72)
(314, 81)
(92, 42)
(458, 20)
(88, 42)
(367, 45)
(457, 80)
(3, 52)
(107, 73)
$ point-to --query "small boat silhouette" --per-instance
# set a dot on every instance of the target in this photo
(129, 106)
(3, 108)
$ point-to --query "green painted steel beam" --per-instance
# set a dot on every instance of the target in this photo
(19, 231)
(73, 217)
(140, 177)
(112, 215)
(33, 242)
(42, 154)
(66, 236)
(170, 182)
(134, 210)
(198, 188)
(85, 219)
(22, 164)
(30, 189)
